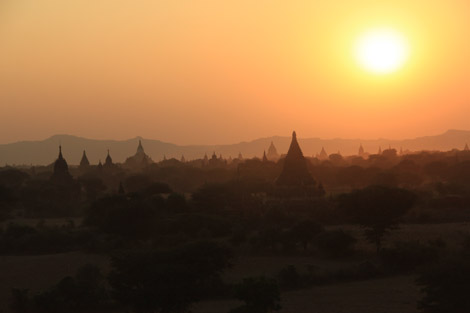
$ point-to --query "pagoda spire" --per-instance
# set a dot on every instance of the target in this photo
(109, 160)
(61, 170)
(295, 171)
(361, 150)
(84, 162)
(140, 148)
(272, 153)
(265, 159)
(323, 155)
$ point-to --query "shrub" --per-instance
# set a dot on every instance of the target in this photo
(335, 243)
(289, 278)
(445, 287)
(85, 292)
(407, 256)
(167, 281)
(260, 294)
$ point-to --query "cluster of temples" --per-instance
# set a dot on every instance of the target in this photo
(295, 170)
(295, 166)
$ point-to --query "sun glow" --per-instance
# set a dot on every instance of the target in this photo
(381, 51)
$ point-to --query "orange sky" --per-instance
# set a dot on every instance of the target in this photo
(212, 71)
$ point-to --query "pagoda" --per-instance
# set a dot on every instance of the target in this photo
(323, 155)
(272, 154)
(140, 159)
(61, 173)
(295, 171)
(84, 163)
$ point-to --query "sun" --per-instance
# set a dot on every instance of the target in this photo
(381, 51)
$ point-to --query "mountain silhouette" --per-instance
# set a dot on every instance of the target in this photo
(45, 151)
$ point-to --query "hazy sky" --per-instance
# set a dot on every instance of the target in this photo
(212, 71)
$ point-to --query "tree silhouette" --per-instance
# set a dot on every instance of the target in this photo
(166, 281)
(377, 208)
(260, 294)
(445, 287)
(305, 231)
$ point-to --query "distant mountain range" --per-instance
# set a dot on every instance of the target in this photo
(45, 152)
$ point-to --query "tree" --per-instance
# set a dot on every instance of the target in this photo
(85, 292)
(131, 218)
(166, 281)
(260, 294)
(445, 287)
(335, 243)
(305, 231)
(378, 209)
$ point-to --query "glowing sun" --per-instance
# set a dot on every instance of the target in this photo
(381, 51)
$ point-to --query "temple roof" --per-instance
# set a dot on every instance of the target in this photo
(140, 148)
(84, 161)
(265, 159)
(61, 169)
(272, 152)
(109, 160)
(295, 171)
(323, 155)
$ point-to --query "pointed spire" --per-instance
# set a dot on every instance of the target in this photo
(140, 148)
(466, 147)
(361, 150)
(109, 160)
(84, 162)
(272, 153)
(265, 159)
(183, 160)
(323, 155)
(61, 170)
(380, 150)
(295, 171)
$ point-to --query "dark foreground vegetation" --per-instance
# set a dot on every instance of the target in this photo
(172, 231)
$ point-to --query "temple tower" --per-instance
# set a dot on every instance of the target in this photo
(361, 151)
(61, 170)
(109, 161)
(272, 153)
(265, 159)
(323, 155)
(84, 163)
(295, 171)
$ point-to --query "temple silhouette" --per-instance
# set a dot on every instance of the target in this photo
(61, 174)
(272, 155)
(295, 171)
(139, 160)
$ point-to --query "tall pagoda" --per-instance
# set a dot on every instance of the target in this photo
(295, 171)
